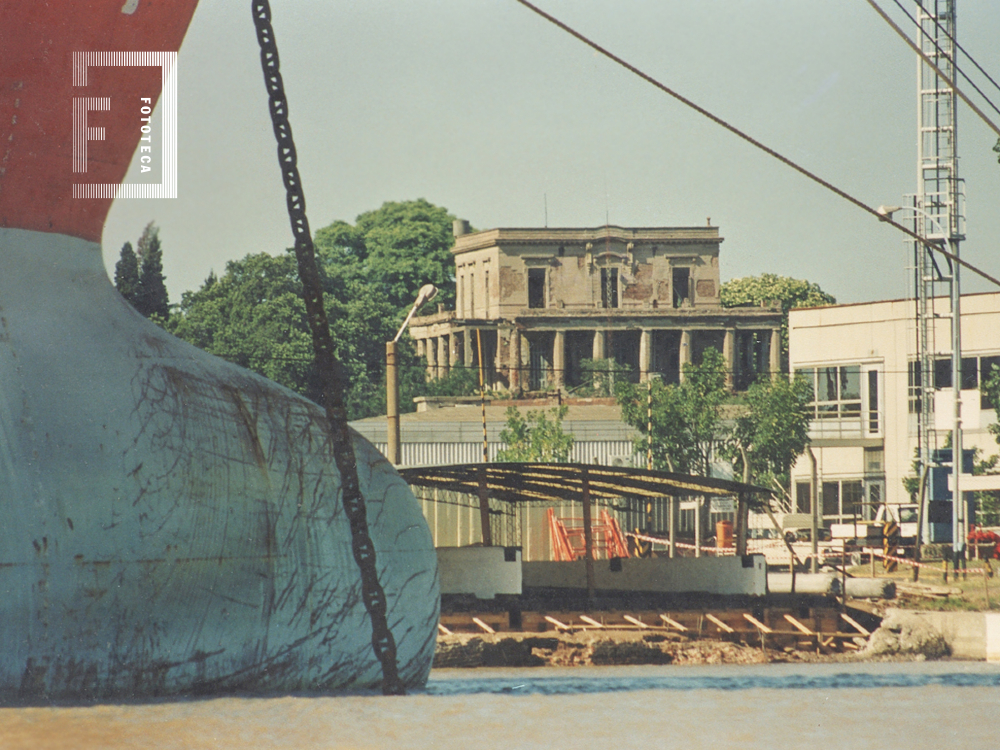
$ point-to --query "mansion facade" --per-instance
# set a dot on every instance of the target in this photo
(538, 302)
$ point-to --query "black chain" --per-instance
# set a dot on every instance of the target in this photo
(334, 380)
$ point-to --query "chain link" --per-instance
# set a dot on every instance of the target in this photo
(334, 380)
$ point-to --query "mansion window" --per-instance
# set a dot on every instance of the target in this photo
(536, 287)
(609, 287)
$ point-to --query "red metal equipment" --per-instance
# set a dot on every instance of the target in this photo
(568, 543)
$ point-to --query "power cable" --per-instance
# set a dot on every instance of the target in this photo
(944, 77)
(930, 244)
(941, 52)
(959, 47)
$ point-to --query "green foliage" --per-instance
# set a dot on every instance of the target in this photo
(535, 438)
(773, 431)
(460, 381)
(600, 377)
(254, 315)
(769, 287)
(687, 425)
(151, 297)
(127, 274)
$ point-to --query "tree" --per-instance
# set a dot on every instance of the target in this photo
(769, 288)
(600, 377)
(535, 438)
(253, 314)
(773, 430)
(127, 274)
(687, 424)
(151, 298)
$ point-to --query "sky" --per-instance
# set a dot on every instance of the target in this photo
(483, 107)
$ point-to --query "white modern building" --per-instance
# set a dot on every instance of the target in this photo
(861, 359)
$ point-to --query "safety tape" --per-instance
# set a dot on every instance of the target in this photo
(916, 564)
(682, 545)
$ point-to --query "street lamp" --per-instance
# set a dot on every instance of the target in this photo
(958, 522)
(426, 294)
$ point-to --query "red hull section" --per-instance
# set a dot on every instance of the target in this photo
(37, 42)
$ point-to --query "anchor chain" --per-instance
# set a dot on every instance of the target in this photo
(334, 379)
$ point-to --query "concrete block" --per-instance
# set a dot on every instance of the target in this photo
(709, 575)
(481, 571)
(992, 636)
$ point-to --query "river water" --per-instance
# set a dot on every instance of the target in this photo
(817, 706)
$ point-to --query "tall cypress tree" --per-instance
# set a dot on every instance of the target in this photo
(127, 274)
(152, 296)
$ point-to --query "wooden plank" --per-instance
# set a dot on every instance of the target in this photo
(750, 618)
(443, 630)
(483, 625)
(718, 623)
(799, 625)
(851, 621)
(634, 621)
(591, 621)
(559, 625)
(673, 623)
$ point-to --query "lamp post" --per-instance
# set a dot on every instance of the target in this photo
(958, 520)
(426, 294)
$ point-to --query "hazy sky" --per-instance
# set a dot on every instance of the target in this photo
(486, 109)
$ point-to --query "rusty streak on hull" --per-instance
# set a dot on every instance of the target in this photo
(172, 522)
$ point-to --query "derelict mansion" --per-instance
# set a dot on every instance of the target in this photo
(540, 301)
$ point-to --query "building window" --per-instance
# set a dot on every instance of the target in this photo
(472, 295)
(843, 500)
(987, 365)
(536, 287)
(831, 499)
(837, 390)
(913, 386)
(681, 284)
(873, 421)
(609, 287)
(803, 497)
(975, 372)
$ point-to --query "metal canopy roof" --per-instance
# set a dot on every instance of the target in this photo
(520, 482)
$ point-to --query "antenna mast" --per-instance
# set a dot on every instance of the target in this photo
(939, 208)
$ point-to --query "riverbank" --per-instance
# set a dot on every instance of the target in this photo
(605, 648)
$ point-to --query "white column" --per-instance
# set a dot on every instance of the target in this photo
(775, 358)
(685, 352)
(645, 354)
(442, 358)
(431, 359)
(559, 358)
(729, 356)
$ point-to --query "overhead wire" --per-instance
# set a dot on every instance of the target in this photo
(959, 46)
(931, 244)
(944, 76)
(954, 62)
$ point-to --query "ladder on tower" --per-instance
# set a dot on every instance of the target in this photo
(568, 542)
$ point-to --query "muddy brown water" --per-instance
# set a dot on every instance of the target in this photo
(914, 705)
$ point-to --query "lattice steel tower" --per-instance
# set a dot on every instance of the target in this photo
(938, 215)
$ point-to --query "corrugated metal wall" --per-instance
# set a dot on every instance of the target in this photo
(603, 452)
